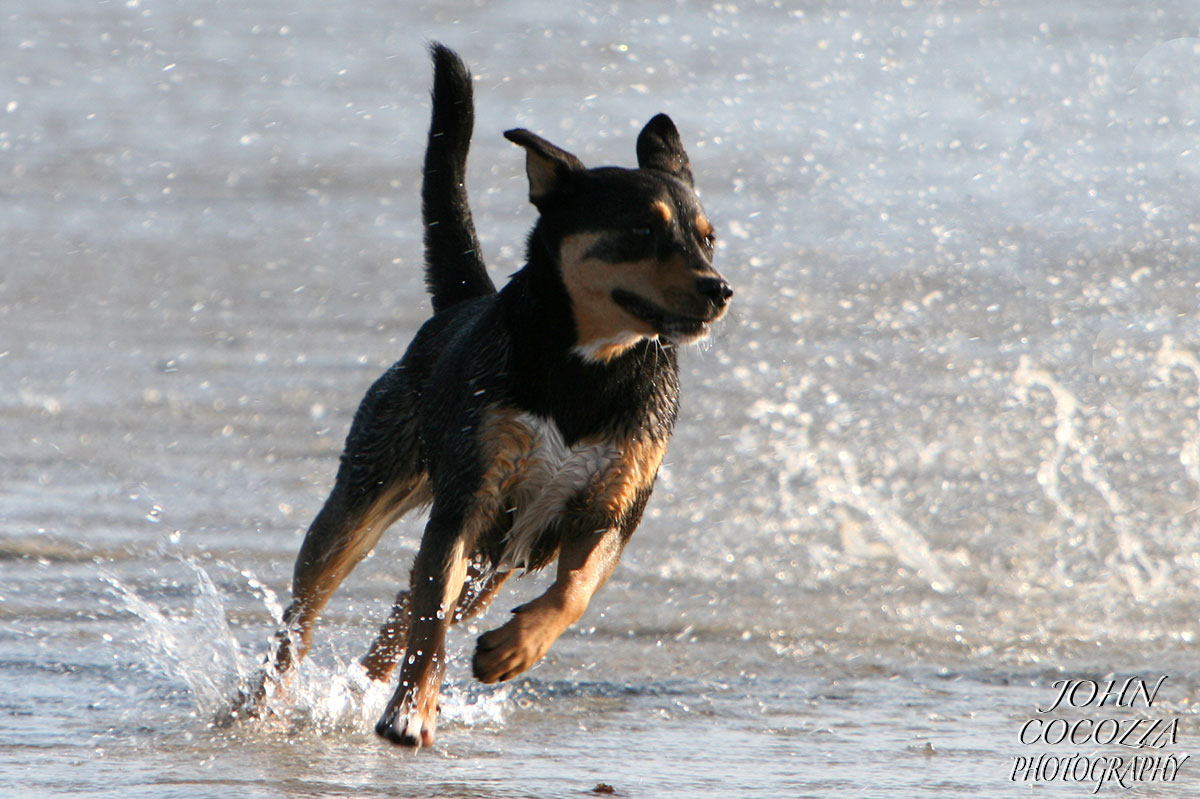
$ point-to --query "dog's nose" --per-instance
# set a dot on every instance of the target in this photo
(715, 289)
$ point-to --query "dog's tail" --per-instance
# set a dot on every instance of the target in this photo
(454, 268)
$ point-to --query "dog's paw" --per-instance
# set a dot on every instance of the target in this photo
(411, 716)
(509, 650)
(412, 729)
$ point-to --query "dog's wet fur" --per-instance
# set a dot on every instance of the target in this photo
(531, 421)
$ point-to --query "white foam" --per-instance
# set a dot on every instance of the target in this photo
(199, 650)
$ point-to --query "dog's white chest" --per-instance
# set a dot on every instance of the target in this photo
(548, 477)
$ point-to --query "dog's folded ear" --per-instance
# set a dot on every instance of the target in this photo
(545, 164)
(659, 147)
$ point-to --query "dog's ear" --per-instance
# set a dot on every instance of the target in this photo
(545, 164)
(659, 147)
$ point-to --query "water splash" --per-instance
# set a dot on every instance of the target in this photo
(199, 649)
(1074, 455)
(1169, 358)
(842, 494)
(844, 490)
(341, 698)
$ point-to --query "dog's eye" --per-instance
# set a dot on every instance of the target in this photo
(710, 242)
(642, 231)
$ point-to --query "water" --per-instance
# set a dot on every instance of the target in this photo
(945, 453)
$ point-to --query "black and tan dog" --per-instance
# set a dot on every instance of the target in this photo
(531, 420)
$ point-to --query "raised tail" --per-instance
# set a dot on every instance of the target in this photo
(454, 268)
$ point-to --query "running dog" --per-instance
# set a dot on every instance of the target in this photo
(531, 421)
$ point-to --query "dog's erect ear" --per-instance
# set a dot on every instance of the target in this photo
(545, 164)
(659, 147)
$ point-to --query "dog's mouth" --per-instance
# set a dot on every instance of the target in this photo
(677, 327)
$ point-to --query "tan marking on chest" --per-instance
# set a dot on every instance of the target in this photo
(534, 474)
(615, 492)
(507, 444)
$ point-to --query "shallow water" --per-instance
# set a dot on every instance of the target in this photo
(944, 453)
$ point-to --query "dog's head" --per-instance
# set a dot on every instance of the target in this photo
(633, 246)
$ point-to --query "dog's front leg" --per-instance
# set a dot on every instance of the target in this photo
(437, 580)
(585, 562)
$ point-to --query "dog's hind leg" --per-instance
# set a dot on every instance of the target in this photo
(339, 538)
(479, 595)
(388, 647)
(380, 479)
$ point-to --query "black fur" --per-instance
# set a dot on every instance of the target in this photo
(454, 268)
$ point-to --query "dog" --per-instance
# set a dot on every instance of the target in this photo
(531, 421)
